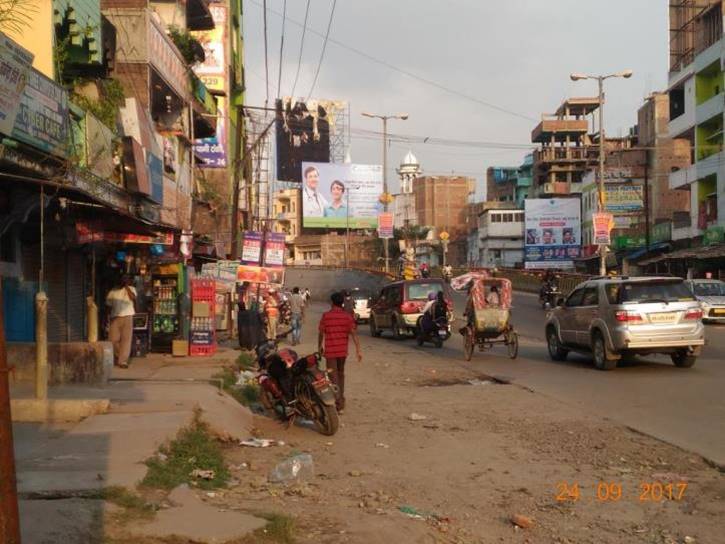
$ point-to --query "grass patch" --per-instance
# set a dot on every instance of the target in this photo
(134, 506)
(280, 529)
(193, 448)
(246, 361)
(246, 394)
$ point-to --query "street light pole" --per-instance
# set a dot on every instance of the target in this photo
(600, 186)
(384, 118)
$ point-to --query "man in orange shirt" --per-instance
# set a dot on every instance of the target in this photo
(271, 311)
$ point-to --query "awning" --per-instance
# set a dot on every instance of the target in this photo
(644, 250)
(704, 252)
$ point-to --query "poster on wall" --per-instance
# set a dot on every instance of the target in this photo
(260, 274)
(341, 195)
(552, 232)
(15, 63)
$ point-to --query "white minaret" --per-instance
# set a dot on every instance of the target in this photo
(408, 170)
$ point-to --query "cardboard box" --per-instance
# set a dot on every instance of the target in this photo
(180, 348)
(200, 309)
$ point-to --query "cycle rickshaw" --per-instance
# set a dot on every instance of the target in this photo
(488, 324)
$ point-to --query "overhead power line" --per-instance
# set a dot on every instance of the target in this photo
(324, 48)
(281, 48)
(407, 73)
(302, 45)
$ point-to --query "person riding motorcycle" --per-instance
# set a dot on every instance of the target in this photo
(549, 283)
(435, 312)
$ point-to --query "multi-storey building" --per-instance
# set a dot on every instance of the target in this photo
(500, 235)
(564, 136)
(501, 183)
(287, 215)
(696, 106)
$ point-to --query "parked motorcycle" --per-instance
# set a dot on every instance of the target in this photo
(291, 386)
(436, 332)
(549, 295)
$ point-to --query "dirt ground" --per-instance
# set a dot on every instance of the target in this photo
(483, 454)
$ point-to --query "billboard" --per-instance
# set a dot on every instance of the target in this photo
(212, 150)
(552, 232)
(623, 198)
(336, 196)
(303, 134)
(213, 69)
(252, 247)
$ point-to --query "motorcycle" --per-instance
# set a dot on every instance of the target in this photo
(292, 387)
(437, 334)
(549, 295)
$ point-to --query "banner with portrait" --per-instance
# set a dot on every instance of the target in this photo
(552, 233)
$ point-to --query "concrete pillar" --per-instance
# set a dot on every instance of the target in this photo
(41, 345)
(92, 313)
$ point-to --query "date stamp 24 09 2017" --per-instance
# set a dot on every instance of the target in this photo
(615, 491)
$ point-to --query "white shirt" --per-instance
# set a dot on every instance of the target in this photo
(120, 303)
(314, 203)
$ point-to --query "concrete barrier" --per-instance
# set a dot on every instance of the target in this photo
(323, 281)
(71, 362)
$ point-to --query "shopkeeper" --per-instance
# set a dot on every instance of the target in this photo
(122, 303)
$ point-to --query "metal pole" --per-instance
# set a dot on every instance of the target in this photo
(347, 234)
(385, 188)
(235, 191)
(602, 247)
(9, 518)
(646, 201)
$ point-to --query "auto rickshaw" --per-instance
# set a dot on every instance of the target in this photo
(488, 322)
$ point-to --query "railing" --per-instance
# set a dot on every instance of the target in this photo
(561, 154)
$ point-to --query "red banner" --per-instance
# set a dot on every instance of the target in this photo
(385, 225)
(260, 274)
(86, 235)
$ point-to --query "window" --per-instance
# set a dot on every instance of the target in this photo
(590, 297)
(495, 218)
(655, 291)
(575, 299)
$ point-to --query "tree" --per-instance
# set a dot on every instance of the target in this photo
(16, 15)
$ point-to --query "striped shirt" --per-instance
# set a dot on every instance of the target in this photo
(336, 325)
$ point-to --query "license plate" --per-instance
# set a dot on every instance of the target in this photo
(664, 317)
(442, 333)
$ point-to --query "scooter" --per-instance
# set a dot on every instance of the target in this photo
(292, 387)
(437, 334)
(548, 296)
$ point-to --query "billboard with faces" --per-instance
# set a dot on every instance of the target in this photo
(552, 235)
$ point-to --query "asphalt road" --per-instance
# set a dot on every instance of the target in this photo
(685, 407)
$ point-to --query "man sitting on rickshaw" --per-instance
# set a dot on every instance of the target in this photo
(493, 299)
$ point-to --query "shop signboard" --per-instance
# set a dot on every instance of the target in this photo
(213, 69)
(341, 195)
(213, 150)
(15, 63)
(603, 223)
(553, 232)
(713, 235)
(260, 274)
(630, 242)
(274, 249)
(156, 175)
(85, 234)
(662, 232)
(252, 247)
(623, 198)
(42, 119)
(385, 225)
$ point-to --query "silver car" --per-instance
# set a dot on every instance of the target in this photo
(616, 317)
(711, 295)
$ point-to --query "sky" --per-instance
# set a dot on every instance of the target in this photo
(512, 55)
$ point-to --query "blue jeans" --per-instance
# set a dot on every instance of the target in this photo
(296, 324)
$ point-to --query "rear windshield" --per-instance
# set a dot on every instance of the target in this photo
(648, 292)
(419, 291)
(360, 295)
(710, 289)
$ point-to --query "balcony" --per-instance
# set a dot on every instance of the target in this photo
(205, 109)
(706, 57)
(561, 154)
(559, 129)
(710, 108)
(710, 165)
(683, 177)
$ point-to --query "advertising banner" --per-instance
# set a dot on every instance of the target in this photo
(260, 274)
(15, 63)
(385, 225)
(341, 195)
(86, 233)
(212, 70)
(42, 119)
(252, 248)
(603, 223)
(213, 150)
(553, 232)
(274, 249)
(623, 198)
(303, 134)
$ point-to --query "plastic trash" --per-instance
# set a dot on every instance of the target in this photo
(258, 442)
(298, 467)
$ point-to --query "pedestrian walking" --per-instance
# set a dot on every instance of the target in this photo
(307, 295)
(349, 304)
(297, 312)
(122, 303)
(336, 328)
(271, 311)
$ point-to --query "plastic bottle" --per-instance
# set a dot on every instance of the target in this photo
(296, 468)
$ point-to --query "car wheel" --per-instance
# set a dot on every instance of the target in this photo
(374, 331)
(556, 352)
(682, 359)
(602, 358)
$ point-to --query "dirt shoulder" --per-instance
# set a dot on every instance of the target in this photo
(483, 454)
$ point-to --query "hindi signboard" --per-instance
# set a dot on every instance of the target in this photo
(260, 274)
(274, 249)
(15, 63)
(385, 225)
(603, 223)
(252, 248)
(553, 232)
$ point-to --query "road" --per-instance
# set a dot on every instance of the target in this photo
(685, 407)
